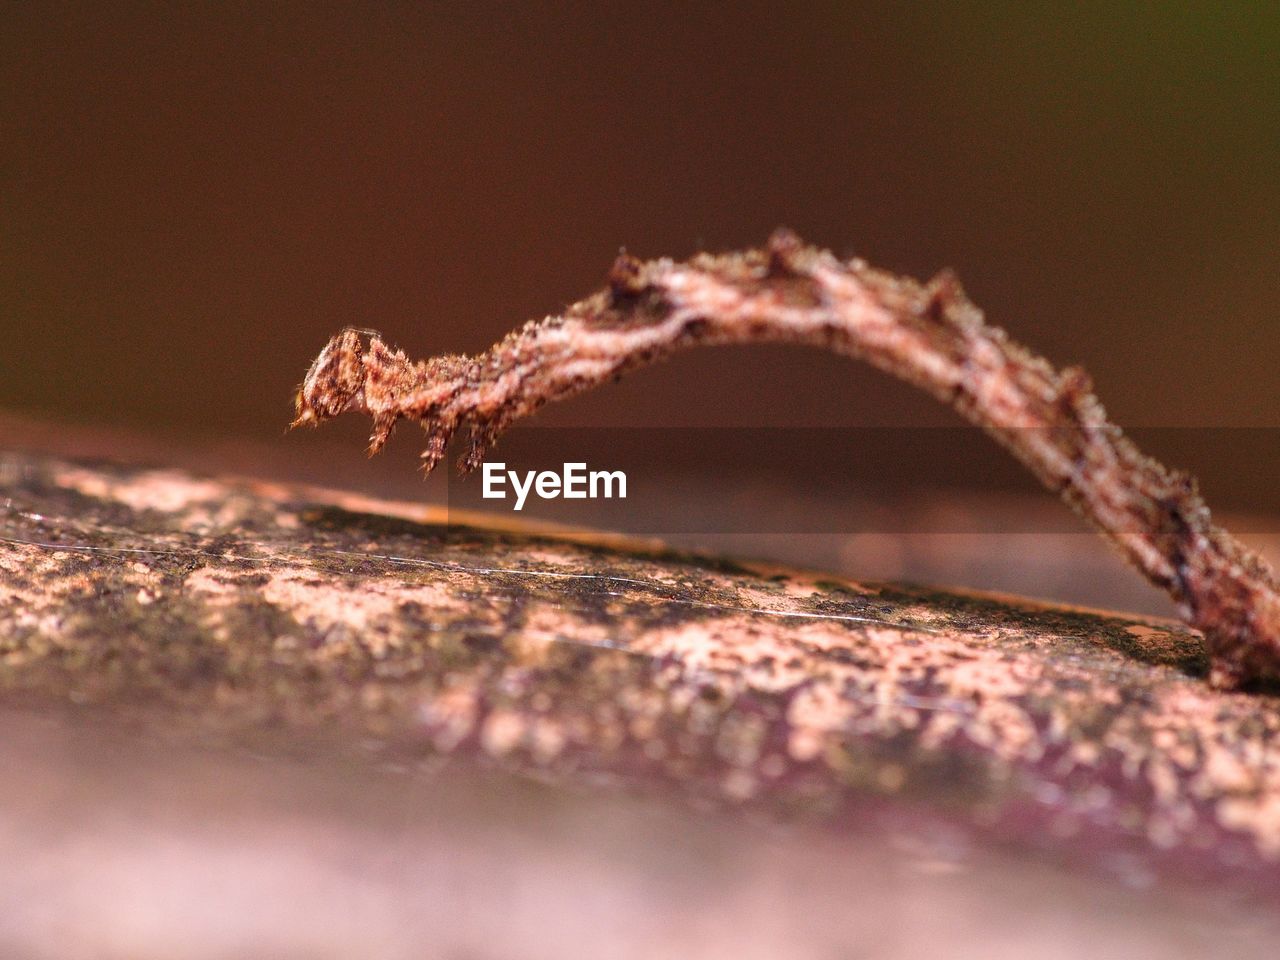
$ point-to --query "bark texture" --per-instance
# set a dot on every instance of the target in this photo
(237, 610)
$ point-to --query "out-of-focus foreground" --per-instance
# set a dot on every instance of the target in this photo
(248, 717)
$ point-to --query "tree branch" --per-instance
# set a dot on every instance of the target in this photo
(929, 335)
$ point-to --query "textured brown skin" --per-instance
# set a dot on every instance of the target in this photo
(929, 335)
(207, 610)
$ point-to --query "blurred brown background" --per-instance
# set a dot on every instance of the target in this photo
(195, 197)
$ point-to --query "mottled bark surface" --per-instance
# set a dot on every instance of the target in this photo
(234, 613)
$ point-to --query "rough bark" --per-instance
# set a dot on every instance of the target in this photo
(245, 611)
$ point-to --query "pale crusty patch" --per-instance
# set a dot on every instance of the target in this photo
(167, 491)
(365, 613)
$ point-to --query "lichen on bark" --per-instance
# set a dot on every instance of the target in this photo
(227, 609)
